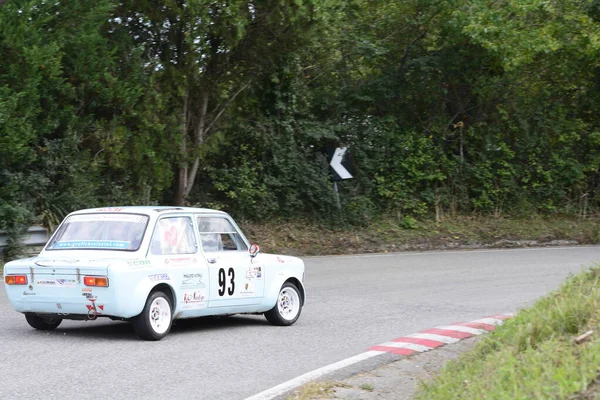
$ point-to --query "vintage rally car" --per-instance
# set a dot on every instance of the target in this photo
(150, 266)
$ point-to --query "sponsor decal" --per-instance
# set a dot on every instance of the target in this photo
(175, 261)
(280, 260)
(254, 272)
(66, 282)
(248, 289)
(171, 236)
(159, 277)
(95, 244)
(94, 309)
(113, 209)
(136, 219)
(59, 306)
(86, 290)
(57, 282)
(194, 299)
(191, 281)
(29, 294)
(188, 276)
(138, 263)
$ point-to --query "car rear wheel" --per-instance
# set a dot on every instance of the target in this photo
(42, 324)
(288, 307)
(156, 319)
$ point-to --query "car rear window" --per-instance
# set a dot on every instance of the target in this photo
(101, 231)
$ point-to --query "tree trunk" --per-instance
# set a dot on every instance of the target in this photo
(181, 183)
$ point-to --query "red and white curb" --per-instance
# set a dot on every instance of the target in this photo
(406, 345)
(439, 336)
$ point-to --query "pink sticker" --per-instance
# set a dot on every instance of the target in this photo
(171, 236)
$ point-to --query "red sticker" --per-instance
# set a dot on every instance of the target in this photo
(171, 236)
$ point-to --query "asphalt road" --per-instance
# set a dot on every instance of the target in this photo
(354, 302)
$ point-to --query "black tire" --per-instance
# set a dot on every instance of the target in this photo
(148, 324)
(42, 324)
(288, 308)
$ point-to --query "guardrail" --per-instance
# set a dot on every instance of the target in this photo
(36, 236)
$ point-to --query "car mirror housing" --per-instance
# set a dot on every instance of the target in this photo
(254, 250)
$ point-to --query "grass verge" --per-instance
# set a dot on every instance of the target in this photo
(533, 356)
(302, 238)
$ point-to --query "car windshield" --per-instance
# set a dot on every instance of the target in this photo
(102, 231)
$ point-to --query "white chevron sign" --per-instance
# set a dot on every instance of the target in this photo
(336, 163)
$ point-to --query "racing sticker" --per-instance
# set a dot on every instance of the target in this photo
(138, 264)
(65, 283)
(193, 281)
(177, 261)
(194, 299)
(248, 289)
(94, 309)
(159, 277)
(254, 272)
(136, 219)
(95, 244)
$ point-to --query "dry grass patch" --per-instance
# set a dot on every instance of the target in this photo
(316, 391)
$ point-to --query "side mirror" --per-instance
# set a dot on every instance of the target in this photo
(253, 250)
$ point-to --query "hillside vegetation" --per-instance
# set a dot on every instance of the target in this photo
(454, 109)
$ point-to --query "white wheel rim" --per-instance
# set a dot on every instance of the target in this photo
(160, 315)
(288, 303)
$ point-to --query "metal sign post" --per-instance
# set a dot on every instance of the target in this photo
(337, 195)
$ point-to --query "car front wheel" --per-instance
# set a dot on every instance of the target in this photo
(155, 320)
(288, 307)
(42, 324)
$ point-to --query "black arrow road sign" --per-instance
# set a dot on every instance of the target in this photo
(339, 165)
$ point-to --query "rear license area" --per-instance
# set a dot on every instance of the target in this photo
(66, 293)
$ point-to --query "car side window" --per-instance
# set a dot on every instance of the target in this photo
(174, 235)
(218, 234)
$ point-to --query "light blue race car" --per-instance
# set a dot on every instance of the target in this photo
(150, 266)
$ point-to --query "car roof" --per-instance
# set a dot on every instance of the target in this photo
(156, 210)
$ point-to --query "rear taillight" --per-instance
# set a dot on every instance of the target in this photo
(101, 281)
(15, 279)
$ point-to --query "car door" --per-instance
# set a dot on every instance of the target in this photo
(234, 280)
(174, 252)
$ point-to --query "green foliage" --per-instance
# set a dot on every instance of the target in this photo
(452, 107)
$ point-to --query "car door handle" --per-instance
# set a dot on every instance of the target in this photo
(211, 260)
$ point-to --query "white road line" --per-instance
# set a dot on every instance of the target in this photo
(438, 252)
(312, 375)
(412, 346)
(464, 329)
(433, 336)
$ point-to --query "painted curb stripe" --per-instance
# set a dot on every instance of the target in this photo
(395, 350)
(412, 346)
(441, 335)
(437, 338)
(423, 342)
(451, 333)
(479, 325)
(464, 329)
